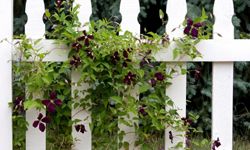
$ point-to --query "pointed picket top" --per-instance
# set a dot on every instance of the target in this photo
(223, 12)
(35, 27)
(84, 11)
(129, 10)
(176, 11)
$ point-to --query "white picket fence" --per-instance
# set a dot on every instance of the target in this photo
(222, 51)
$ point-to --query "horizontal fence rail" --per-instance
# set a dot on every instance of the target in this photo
(222, 51)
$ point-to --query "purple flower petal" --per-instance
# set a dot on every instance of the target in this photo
(125, 54)
(51, 107)
(153, 82)
(77, 127)
(159, 76)
(40, 116)
(91, 37)
(86, 42)
(199, 24)
(58, 102)
(81, 38)
(82, 130)
(41, 127)
(194, 33)
(52, 95)
(189, 21)
(187, 30)
(35, 123)
(46, 102)
(46, 119)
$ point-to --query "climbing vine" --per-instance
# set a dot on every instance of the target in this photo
(124, 86)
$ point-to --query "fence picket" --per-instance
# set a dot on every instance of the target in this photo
(35, 27)
(222, 90)
(84, 11)
(81, 141)
(179, 82)
(35, 139)
(130, 10)
(6, 30)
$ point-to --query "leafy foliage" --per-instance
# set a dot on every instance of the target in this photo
(115, 68)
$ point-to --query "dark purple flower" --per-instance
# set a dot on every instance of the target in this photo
(152, 82)
(86, 38)
(77, 46)
(80, 128)
(159, 76)
(216, 144)
(52, 102)
(129, 78)
(170, 136)
(186, 121)
(41, 122)
(124, 64)
(58, 3)
(115, 57)
(18, 104)
(89, 53)
(193, 28)
(142, 111)
(75, 61)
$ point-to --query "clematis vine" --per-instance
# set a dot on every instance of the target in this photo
(52, 103)
(41, 122)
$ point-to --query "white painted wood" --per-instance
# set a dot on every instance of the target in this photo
(176, 17)
(56, 52)
(35, 139)
(130, 10)
(35, 27)
(6, 30)
(222, 112)
(81, 141)
(223, 12)
(130, 136)
(221, 50)
(84, 11)
(222, 92)
(179, 82)
(176, 92)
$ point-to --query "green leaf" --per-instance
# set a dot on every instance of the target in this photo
(145, 87)
(47, 13)
(32, 104)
